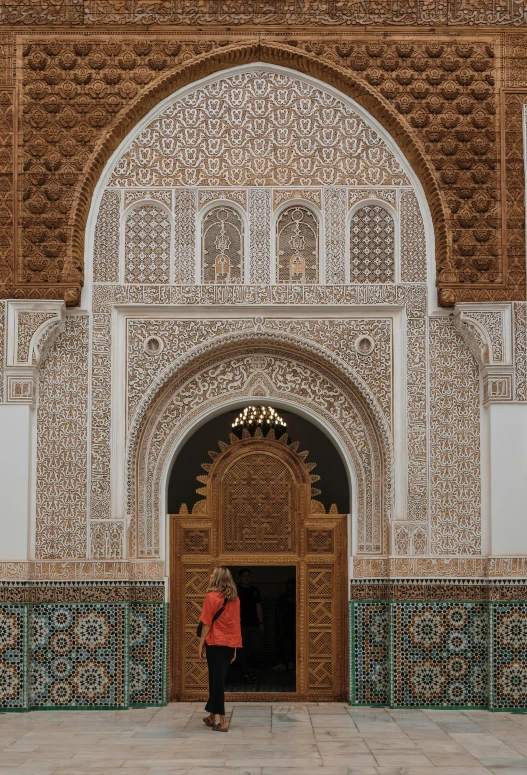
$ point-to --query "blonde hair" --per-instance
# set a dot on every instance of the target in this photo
(223, 583)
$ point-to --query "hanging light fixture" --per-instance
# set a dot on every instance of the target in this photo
(263, 417)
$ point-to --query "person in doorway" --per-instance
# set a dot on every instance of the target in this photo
(252, 624)
(220, 638)
(285, 627)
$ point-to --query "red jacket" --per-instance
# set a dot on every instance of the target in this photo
(226, 630)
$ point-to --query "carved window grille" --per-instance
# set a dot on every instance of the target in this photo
(320, 541)
(372, 245)
(196, 541)
(320, 582)
(297, 246)
(258, 494)
(147, 245)
(222, 237)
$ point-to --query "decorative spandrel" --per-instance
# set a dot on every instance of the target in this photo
(258, 503)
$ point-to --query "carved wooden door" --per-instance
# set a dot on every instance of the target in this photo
(259, 510)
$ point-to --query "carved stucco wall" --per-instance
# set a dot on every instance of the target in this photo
(438, 96)
(62, 446)
(455, 486)
(440, 372)
(443, 449)
(452, 520)
(300, 142)
(259, 128)
(295, 374)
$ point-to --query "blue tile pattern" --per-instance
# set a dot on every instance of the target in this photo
(439, 654)
(78, 655)
(13, 660)
(509, 656)
(369, 650)
(147, 654)
(72, 644)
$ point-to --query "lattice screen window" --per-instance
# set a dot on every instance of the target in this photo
(222, 238)
(372, 245)
(258, 494)
(297, 238)
(147, 245)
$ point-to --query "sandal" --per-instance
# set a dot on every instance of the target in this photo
(208, 722)
(217, 728)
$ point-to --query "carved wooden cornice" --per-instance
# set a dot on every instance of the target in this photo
(208, 13)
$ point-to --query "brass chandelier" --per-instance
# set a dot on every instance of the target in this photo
(263, 418)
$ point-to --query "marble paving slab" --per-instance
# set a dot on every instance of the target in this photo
(264, 739)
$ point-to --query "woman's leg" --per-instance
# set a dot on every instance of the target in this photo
(226, 659)
(209, 650)
(219, 659)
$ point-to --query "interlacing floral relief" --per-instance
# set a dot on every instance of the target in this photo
(295, 378)
(62, 447)
(258, 128)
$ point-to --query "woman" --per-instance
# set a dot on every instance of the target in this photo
(220, 637)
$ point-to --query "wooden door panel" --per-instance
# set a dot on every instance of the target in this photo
(257, 512)
(196, 582)
(320, 582)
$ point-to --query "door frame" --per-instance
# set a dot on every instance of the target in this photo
(311, 564)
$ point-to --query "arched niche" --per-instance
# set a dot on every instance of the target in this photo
(288, 373)
(188, 464)
(385, 157)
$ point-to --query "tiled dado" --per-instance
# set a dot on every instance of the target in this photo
(439, 644)
(92, 645)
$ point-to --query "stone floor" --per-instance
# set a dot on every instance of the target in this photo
(328, 739)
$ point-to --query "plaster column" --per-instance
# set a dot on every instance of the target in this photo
(32, 327)
(15, 481)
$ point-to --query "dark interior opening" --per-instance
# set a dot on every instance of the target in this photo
(269, 662)
(187, 466)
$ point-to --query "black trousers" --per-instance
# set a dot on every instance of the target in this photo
(218, 660)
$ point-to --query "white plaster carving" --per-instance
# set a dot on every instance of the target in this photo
(520, 350)
(62, 446)
(412, 239)
(176, 359)
(101, 417)
(106, 239)
(488, 331)
(260, 235)
(32, 327)
(185, 235)
(178, 401)
(335, 213)
(455, 487)
(258, 128)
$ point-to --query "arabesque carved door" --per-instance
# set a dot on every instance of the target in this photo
(259, 509)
